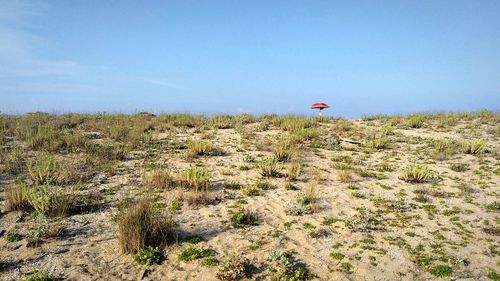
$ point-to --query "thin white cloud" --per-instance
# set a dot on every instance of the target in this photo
(22, 68)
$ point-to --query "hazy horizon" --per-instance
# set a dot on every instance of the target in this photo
(259, 57)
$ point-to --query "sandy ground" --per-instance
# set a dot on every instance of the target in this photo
(88, 250)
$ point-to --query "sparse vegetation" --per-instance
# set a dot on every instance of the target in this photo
(68, 180)
(149, 256)
(191, 253)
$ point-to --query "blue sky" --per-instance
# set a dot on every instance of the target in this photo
(361, 57)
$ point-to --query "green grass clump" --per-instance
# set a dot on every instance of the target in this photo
(194, 239)
(284, 150)
(44, 170)
(286, 267)
(459, 167)
(191, 253)
(200, 148)
(50, 201)
(232, 185)
(222, 121)
(337, 256)
(440, 270)
(492, 274)
(13, 236)
(235, 267)
(210, 262)
(269, 167)
(346, 267)
(194, 178)
(415, 121)
(493, 207)
(415, 173)
(473, 147)
(377, 141)
(40, 275)
(149, 256)
(243, 217)
(443, 145)
(252, 191)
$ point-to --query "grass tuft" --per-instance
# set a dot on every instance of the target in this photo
(415, 173)
(143, 226)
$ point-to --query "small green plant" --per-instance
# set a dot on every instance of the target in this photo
(286, 267)
(329, 220)
(337, 256)
(191, 253)
(234, 268)
(269, 167)
(248, 158)
(346, 267)
(440, 270)
(263, 185)
(252, 191)
(364, 221)
(243, 217)
(232, 185)
(149, 256)
(493, 207)
(39, 275)
(13, 236)
(492, 274)
(415, 173)
(194, 178)
(459, 167)
(210, 262)
(290, 186)
(176, 205)
(195, 239)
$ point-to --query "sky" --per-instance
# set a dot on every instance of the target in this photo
(257, 57)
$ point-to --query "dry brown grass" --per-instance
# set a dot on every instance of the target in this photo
(16, 198)
(160, 179)
(142, 226)
(344, 176)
